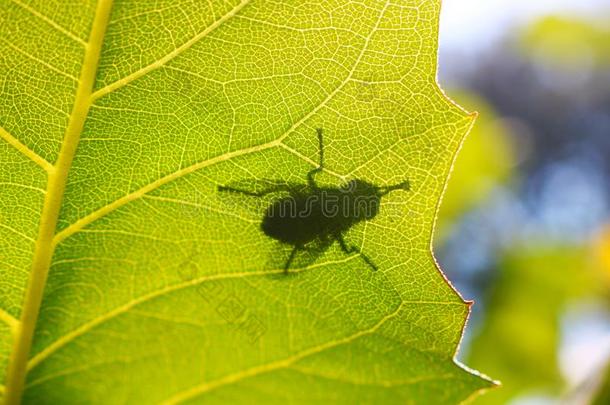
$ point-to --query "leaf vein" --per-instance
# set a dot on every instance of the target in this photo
(168, 57)
(301, 30)
(16, 232)
(82, 222)
(386, 384)
(9, 319)
(40, 61)
(202, 206)
(50, 22)
(33, 156)
(26, 186)
(62, 341)
(279, 364)
(338, 89)
(83, 329)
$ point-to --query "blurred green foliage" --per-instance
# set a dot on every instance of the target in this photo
(603, 395)
(602, 251)
(602, 248)
(485, 160)
(568, 42)
(519, 338)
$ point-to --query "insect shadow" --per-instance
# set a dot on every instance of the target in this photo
(312, 217)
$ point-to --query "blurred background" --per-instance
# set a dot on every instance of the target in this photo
(524, 228)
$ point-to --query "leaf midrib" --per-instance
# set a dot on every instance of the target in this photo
(56, 184)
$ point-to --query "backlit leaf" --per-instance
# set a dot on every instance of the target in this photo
(142, 283)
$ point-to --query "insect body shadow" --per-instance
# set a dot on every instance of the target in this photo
(319, 216)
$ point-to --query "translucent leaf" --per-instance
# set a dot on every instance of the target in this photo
(142, 283)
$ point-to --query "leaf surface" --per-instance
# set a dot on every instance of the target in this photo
(142, 283)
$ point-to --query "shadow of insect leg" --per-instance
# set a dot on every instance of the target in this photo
(354, 249)
(290, 259)
(261, 193)
(310, 178)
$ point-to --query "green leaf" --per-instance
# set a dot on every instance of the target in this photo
(128, 278)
